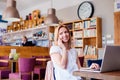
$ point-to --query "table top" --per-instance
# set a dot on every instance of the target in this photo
(42, 59)
(4, 60)
(114, 75)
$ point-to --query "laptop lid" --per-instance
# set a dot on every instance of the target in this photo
(111, 60)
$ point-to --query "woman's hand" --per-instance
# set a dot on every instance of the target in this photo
(94, 66)
(60, 43)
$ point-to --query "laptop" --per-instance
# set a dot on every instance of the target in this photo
(111, 60)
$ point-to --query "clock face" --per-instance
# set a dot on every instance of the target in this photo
(85, 10)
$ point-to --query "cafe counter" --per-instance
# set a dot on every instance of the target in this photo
(25, 51)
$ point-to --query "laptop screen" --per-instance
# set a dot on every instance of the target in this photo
(111, 60)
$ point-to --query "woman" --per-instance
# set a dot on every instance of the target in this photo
(25, 42)
(65, 59)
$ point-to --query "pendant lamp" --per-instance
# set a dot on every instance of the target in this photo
(11, 13)
(51, 19)
(3, 21)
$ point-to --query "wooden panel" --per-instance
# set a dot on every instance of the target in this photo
(90, 41)
(115, 75)
(25, 51)
(99, 33)
(117, 28)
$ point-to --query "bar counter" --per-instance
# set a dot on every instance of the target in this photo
(25, 51)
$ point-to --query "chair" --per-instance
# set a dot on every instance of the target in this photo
(49, 74)
(40, 62)
(98, 61)
(37, 62)
(81, 59)
(39, 69)
(26, 67)
(4, 67)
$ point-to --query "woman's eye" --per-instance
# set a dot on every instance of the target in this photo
(66, 31)
(61, 33)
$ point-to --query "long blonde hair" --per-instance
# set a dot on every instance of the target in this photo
(56, 34)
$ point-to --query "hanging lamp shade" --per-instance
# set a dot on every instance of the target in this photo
(51, 18)
(3, 21)
(11, 13)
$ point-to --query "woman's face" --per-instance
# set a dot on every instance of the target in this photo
(63, 34)
(24, 39)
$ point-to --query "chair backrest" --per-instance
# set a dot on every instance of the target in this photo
(4, 61)
(49, 74)
(81, 59)
(46, 56)
(26, 64)
(38, 62)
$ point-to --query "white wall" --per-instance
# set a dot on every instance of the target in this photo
(104, 10)
(67, 11)
(57, 4)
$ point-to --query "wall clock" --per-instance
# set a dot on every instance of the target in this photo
(85, 10)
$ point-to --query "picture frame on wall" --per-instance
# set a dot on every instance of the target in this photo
(117, 5)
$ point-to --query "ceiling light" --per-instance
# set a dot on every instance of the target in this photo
(3, 21)
(51, 19)
(11, 13)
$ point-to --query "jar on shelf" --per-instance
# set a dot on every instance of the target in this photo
(30, 16)
(34, 23)
(8, 28)
(19, 27)
(27, 17)
(30, 24)
(39, 16)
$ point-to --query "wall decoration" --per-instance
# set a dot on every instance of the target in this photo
(85, 10)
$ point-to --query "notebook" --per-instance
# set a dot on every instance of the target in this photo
(111, 60)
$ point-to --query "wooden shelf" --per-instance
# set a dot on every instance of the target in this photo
(27, 30)
(91, 27)
(91, 56)
(87, 32)
(89, 37)
(78, 29)
(45, 31)
(78, 46)
(117, 28)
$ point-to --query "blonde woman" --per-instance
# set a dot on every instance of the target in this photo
(64, 58)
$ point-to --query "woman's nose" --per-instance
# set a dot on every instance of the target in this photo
(64, 34)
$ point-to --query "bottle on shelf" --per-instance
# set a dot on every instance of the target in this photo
(39, 16)
(30, 16)
(26, 17)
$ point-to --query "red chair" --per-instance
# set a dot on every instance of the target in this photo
(81, 59)
(4, 67)
(26, 67)
(39, 69)
(37, 62)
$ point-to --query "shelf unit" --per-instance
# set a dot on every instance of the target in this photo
(117, 28)
(87, 36)
(39, 33)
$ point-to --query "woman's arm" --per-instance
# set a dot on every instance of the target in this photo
(78, 63)
(60, 60)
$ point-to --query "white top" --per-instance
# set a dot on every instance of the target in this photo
(65, 74)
